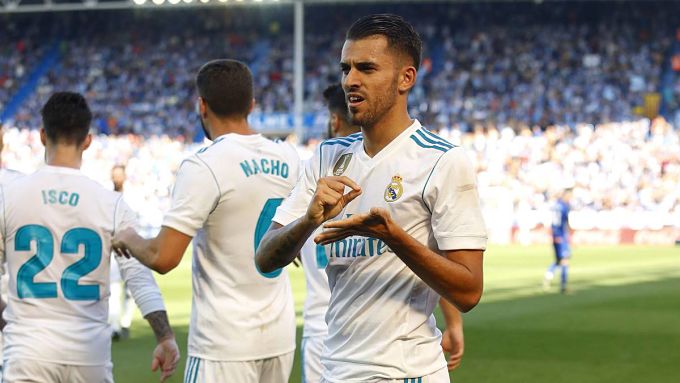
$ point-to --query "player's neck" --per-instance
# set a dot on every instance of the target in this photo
(378, 136)
(226, 126)
(64, 156)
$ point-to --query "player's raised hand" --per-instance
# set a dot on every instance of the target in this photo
(165, 357)
(374, 224)
(454, 345)
(330, 198)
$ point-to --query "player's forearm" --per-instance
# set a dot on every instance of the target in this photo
(452, 316)
(146, 251)
(454, 281)
(281, 244)
(158, 320)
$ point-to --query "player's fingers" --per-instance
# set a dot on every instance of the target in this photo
(345, 223)
(347, 198)
(348, 182)
(340, 183)
(155, 363)
(330, 195)
(332, 236)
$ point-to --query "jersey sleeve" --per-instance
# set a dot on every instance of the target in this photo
(195, 195)
(452, 197)
(142, 285)
(295, 206)
(125, 217)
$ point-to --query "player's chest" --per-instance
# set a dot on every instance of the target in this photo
(395, 184)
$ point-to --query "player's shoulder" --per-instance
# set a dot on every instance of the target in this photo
(8, 175)
(426, 142)
(333, 148)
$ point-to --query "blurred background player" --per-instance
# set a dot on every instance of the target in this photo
(121, 305)
(6, 176)
(560, 239)
(242, 321)
(56, 238)
(314, 259)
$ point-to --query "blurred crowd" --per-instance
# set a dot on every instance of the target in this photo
(545, 96)
(626, 169)
(503, 63)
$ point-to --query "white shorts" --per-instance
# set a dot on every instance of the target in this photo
(27, 370)
(270, 370)
(312, 368)
(441, 376)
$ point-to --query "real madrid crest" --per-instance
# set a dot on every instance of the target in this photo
(342, 164)
(394, 190)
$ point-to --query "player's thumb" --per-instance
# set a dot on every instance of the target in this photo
(155, 363)
(347, 198)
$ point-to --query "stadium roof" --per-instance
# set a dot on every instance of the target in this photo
(17, 6)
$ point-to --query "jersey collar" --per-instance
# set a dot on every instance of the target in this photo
(391, 147)
(61, 170)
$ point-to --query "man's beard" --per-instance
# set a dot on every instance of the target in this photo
(382, 105)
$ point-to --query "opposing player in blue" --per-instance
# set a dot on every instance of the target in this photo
(560, 238)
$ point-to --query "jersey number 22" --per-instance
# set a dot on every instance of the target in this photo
(27, 288)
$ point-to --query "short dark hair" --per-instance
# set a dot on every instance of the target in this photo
(335, 99)
(226, 86)
(399, 33)
(66, 118)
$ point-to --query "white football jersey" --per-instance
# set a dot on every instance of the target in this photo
(314, 263)
(225, 196)
(56, 239)
(380, 322)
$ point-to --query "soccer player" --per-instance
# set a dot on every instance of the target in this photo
(242, 320)
(56, 238)
(314, 261)
(121, 307)
(314, 257)
(560, 237)
(401, 217)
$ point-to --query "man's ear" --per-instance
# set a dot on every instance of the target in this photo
(43, 136)
(87, 142)
(335, 124)
(407, 78)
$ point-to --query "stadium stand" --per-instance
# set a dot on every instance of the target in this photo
(546, 96)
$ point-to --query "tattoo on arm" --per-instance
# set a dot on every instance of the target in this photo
(281, 246)
(158, 320)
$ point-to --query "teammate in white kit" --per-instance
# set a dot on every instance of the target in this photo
(56, 237)
(409, 226)
(242, 321)
(314, 258)
(6, 176)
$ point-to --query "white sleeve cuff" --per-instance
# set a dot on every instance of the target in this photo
(461, 242)
(177, 224)
(284, 217)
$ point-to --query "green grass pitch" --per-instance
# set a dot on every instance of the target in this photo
(620, 324)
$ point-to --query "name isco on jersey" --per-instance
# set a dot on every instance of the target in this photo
(358, 247)
(53, 197)
(265, 166)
